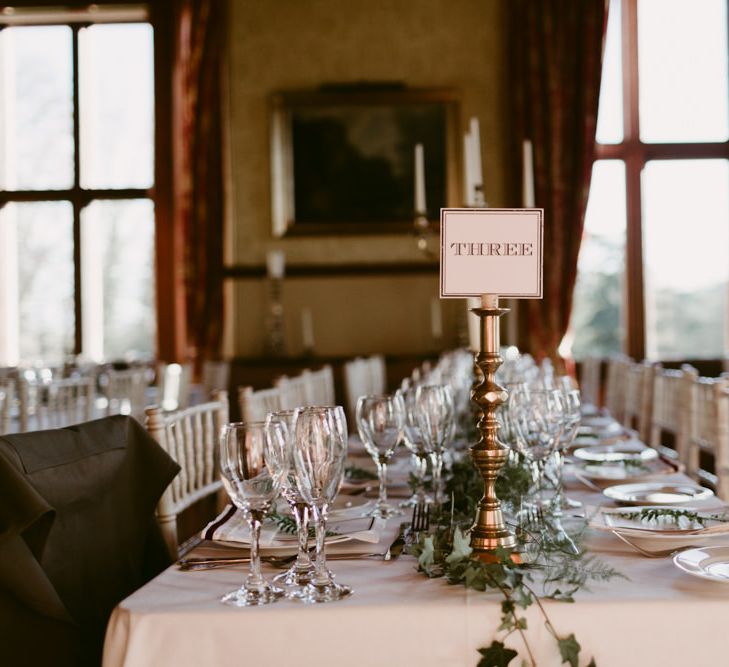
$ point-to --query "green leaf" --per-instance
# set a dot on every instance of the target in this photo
(496, 655)
(592, 663)
(427, 556)
(461, 547)
(569, 649)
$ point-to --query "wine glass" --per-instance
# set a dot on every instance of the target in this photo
(320, 451)
(252, 482)
(435, 415)
(380, 422)
(299, 574)
(413, 440)
(571, 422)
(537, 417)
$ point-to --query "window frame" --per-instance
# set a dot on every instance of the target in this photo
(78, 196)
(635, 154)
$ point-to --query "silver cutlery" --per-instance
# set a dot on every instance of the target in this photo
(662, 553)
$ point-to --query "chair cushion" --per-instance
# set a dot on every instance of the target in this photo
(77, 533)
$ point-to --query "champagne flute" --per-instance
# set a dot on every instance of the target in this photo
(299, 574)
(320, 452)
(435, 415)
(380, 422)
(571, 422)
(252, 482)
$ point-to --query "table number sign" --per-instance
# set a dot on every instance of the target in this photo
(491, 251)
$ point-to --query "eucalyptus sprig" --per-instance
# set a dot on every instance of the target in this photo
(672, 515)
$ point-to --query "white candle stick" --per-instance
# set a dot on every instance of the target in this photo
(468, 183)
(436, 318)
(307, 329)
(475, 132)
(276, 264)
(527, 193)
(419, 180)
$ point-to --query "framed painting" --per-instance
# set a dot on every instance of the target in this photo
(343, 158)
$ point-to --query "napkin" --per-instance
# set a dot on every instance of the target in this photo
(347, 524)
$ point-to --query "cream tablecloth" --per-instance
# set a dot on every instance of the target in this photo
(658, 616)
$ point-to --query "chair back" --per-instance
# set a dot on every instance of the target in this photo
(363, 377)
(62, 403)
(125, 391)
(669, 411)
(590, 380)
(617, 367)
(256, 404)
(7, 400)
(708, 432)
(638, 398)
(320, 386)
(190, 437)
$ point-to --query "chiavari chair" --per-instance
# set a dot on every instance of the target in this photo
(190, 437)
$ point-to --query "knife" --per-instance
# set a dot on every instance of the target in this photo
(395, 549)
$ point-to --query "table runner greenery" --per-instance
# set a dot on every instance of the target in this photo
(549, 563)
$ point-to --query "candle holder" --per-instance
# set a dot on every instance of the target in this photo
(489, 454)
(275, 344)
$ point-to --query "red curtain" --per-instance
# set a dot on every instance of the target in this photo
(555, 56)
(198, 139)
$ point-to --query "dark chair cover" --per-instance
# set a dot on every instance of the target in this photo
(77, 535)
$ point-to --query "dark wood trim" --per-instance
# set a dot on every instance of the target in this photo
(77, 289)
(673, 151)
(258, 271)
(171, 327)
(354, 228)
(82, 195)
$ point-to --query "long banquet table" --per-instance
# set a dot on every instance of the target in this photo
(657, 615)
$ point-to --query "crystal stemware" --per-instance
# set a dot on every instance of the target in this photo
(571, 422)
(299, 574)
(252, 485)
(413, 440)
(380, 422)
(435, 415)
(537, 416)
(320, 452)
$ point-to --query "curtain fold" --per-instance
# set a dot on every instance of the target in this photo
(198, 135)
(555, 56)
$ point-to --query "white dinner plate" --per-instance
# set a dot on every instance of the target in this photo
(706, 562)
(618, 452)
(625, 520)
(657, 493)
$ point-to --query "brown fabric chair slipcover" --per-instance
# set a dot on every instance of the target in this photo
(77, 535)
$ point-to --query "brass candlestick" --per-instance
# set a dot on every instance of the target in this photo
(489, 454)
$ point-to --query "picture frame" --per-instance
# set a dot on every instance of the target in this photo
(342, 158)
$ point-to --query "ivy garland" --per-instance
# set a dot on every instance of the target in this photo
(445, 552)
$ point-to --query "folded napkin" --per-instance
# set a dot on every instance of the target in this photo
(628, 520)
(345, 524)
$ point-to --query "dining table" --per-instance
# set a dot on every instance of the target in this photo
(653, 613)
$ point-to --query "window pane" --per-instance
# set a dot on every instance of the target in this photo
(596, 314)
(117, 272)
(37, 301)
(610, 115)
(117, 106)
(36, 108)
(686, 257)
(682, 53)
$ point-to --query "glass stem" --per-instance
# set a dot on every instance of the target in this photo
(382, 474)
(255, 581)
(559, 483)
(437, 461)
(321, 574)
(300, 510)
(421, 470)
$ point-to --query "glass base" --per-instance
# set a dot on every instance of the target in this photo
(294, 581)
(570, 503)
(415, 500)
(244, 597)
(330, 592)
(384, 511)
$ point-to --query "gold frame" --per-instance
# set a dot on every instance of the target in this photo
(282, 177)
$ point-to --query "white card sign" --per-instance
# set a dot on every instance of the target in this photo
(491, 251)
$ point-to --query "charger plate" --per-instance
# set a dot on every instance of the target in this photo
(657, 493)
(706, 562)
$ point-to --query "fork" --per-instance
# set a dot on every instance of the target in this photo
(421, 519)
(652, 554)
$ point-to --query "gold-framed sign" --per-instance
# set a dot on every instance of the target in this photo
(491, 251)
